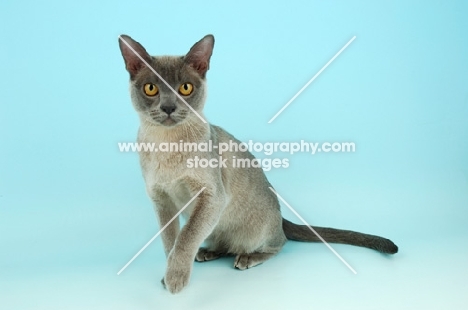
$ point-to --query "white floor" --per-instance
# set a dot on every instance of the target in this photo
(427, 276)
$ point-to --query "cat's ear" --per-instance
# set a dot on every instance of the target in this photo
(199, 55)
(131, 52)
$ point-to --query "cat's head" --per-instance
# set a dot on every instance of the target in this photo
(150, 88)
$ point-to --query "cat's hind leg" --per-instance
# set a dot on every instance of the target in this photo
(250, 258)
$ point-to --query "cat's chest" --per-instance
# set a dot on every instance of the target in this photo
(163, 169)
(166, 168)
(168, 174)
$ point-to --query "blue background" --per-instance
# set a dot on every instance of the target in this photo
(73, 209)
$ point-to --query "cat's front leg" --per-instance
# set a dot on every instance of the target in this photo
(204, 217)
(166, 210)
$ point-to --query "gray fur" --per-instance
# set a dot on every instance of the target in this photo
(236, 214)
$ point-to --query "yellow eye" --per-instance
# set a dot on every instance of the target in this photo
(186, 89)
(150, 89)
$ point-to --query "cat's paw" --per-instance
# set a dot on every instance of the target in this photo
(205, 255)
(177, 275)
(246, 261)
(242, 262)
(175, 280)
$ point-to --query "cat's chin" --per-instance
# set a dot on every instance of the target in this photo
(169, 122)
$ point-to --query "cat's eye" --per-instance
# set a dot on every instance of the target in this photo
(186, 89)
(150, 89)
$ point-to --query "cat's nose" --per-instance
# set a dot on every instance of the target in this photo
(168, 108)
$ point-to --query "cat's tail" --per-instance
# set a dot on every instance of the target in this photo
(332, 235)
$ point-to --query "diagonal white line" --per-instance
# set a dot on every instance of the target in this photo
(160, 231)
(313, 230)
(311, 80)
(164, 81)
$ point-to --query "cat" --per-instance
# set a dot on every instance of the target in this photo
(236, 213)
